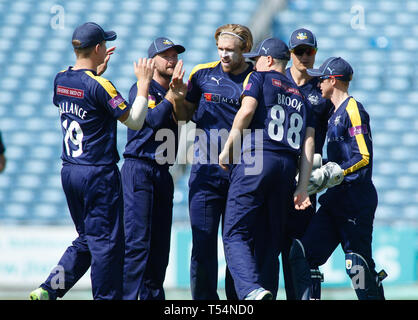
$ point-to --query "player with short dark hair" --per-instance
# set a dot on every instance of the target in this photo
(89, 107)
(212, 101)
(259, 202)
(347, 210)
(147, 183)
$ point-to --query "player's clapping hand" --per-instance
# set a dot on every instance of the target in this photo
(102, 67)
(178, 88)
(301, 199)
(144, 69)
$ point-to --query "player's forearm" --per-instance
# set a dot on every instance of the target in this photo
(2, 162)
(242, 121)
(180, 108)
(134, 118)
(308, 150)
(143, 88)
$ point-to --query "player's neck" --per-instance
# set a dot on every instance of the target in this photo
(243, 66)
(162, 80)
(85, 64)
(338, 97)
(299, 77)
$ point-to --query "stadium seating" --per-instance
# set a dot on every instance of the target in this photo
(36, 44)
(381, 53)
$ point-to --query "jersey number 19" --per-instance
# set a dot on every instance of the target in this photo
(74, 134)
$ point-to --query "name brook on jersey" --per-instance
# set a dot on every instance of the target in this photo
(289, 102)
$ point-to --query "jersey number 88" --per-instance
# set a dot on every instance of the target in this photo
(276, 127)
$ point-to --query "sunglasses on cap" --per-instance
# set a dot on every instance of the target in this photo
(328, 77)
(299, 51)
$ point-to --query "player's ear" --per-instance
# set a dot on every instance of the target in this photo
(270, 61)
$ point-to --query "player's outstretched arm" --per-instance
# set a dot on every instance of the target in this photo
(134, 118)
(183, 109)
(242, 120)
(301, 197)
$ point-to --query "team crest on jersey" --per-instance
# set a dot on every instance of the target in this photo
(348, 264)
(337, 120)
(70, 92)
(117, 101)
(212, 97)
(301, 36)
(313, 99)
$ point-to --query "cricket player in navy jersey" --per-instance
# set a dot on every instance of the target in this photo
(89, 107)
(147, 183)
(258, 203)
(303, 47)
(347, 210)
(212, 101)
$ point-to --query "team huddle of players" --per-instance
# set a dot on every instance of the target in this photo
(277, 116)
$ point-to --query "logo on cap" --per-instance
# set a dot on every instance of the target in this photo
(301, 36)
(330, 70)
(167, 42)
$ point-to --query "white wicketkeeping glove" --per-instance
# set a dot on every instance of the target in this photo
(317, 163)
(327, 176)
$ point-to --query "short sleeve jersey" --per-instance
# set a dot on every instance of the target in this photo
(217, 94)
(281, 112)
(89, 107)
(143, 143)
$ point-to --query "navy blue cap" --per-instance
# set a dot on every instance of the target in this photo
(302, 37)
(333, 67)
(90, 34)
(270, 47)
(163, 44)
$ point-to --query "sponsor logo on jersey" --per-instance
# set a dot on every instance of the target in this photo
(216, 80)
(358, 130)
(278, 83)
(248, 86)
(212, 97)
(117, 102)
(151, 101)
(70, 92)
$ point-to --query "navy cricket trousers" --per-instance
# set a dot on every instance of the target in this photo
(94, 197)
(256, 213)
(208, 192)
(345, 217)
(148, 196)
